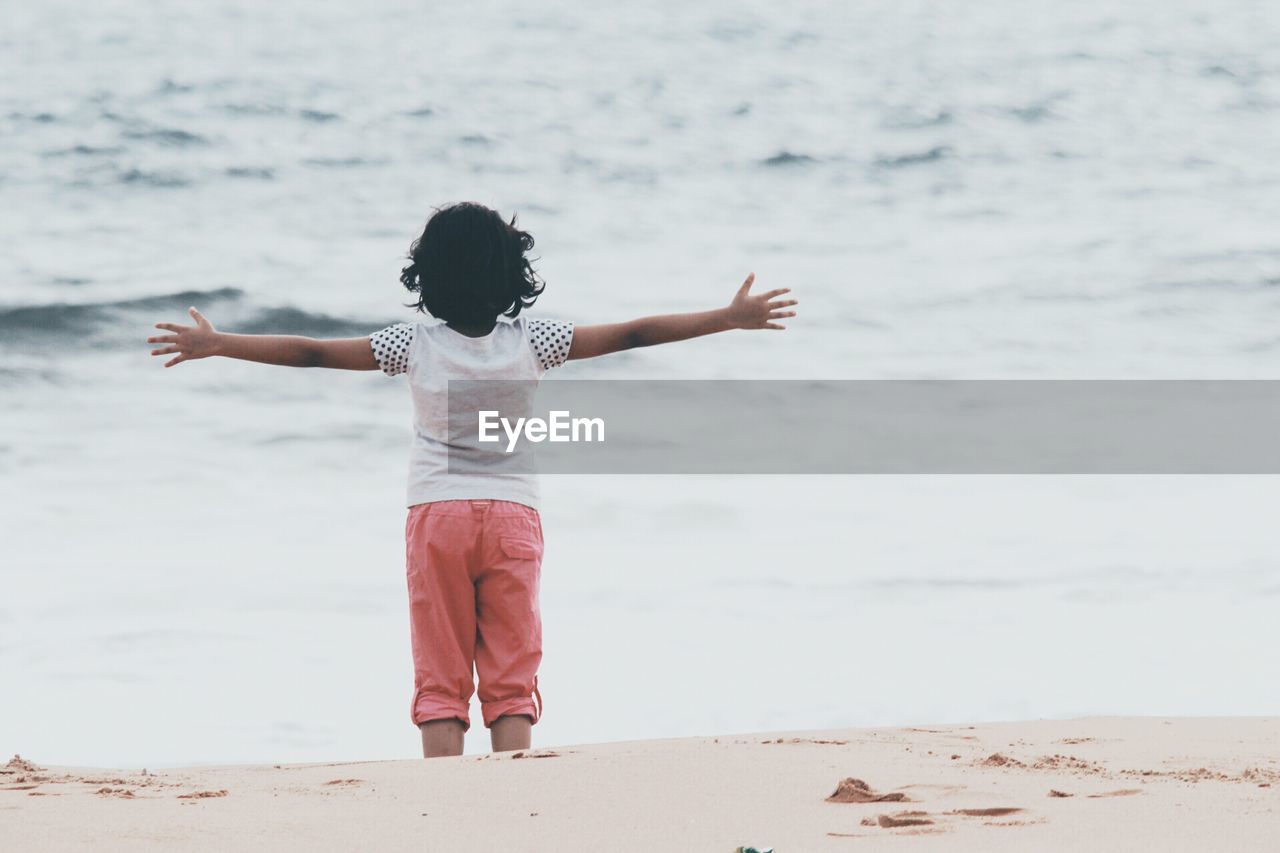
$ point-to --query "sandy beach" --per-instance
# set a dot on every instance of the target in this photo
(1090, 784)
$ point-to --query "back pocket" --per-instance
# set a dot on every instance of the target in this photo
(518, 549)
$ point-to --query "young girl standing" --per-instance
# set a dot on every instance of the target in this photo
(473, 541)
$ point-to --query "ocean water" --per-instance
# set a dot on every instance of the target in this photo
(205, 564)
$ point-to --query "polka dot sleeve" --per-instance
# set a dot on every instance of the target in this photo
(550, 340)
(391, 347)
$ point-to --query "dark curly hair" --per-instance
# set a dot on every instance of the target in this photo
(469, 266)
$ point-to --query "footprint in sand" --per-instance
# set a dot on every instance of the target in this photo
(900, 819)
(852, 790)
(124, 793)
(203, 795)
(818, 741)
(921, 819)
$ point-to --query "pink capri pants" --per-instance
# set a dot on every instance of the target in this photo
(473, 568)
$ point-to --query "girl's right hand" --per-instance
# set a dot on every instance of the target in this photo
(189, 342)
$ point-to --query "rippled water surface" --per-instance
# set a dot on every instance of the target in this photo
(206, 563)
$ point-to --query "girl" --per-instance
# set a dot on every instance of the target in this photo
(473, 541)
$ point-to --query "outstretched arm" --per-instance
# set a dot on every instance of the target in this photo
(744, 312)
(203, 340)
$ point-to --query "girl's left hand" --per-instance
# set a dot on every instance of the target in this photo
(189, 342)
(759, 312)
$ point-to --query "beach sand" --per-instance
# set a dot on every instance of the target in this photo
(1093, 784)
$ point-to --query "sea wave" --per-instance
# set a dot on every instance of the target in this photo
(917, 158)
(107, 323)
(262, 173)
(788, 158)
(66, 321)
(169, 136)
(295, 321)
(165, 180)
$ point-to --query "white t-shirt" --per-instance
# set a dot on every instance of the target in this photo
(432, 354)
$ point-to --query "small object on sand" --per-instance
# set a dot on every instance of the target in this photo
(1054, 792)
(19, 764)
(851, 790)
(995, 759)
(754, 850)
